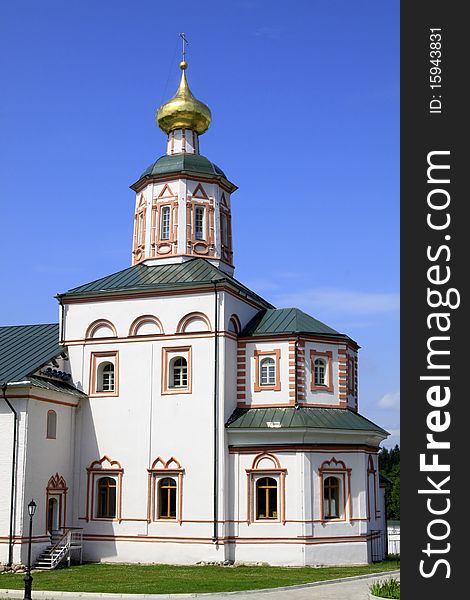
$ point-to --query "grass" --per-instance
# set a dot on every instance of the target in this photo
(386, 589)
(171, 579)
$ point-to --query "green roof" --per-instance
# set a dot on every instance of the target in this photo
(183, 163)
(286, 320)
(301, 418)
(192, 273)
(25, 348)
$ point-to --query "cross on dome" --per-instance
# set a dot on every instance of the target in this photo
(184, 110)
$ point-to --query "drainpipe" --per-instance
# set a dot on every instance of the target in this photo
(13, 475)
(215, 538)
(62, 322)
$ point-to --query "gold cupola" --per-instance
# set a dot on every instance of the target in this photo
(184, 111)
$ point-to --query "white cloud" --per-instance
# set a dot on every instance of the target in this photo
(389, 401)
(393, 439)
(339, 301)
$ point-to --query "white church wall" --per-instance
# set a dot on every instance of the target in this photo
(182, 190)
(18, 398)
(301, 521)
(45, 459)
(38, 459)
(232, 308)
(169, 310)
(337, 553)
(6, 435)
(256, 394)
(148, 420)
(318, 396)
(247, 530)
(236, 306)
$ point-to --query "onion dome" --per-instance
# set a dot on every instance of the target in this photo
(184, 110)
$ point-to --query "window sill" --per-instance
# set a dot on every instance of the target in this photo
(267, 388)
(182, 390)
(322, 388)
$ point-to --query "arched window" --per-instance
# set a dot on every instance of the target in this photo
(267, 368)
(165, 223)
(106, 508)
(105, 377)
(331, 498)
(266, 498)
(51, 427)
(179, 372)
(167, 498)
(319, 372)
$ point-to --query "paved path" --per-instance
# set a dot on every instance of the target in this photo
(352, 588)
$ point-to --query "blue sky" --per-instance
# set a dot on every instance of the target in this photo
(305, 104)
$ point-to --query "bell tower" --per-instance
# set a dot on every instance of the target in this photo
(182, 207)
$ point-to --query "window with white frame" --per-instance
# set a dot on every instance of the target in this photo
(266, 370)
(165, 223)
(199, 222)
(319, 371)
(104, 374)
(267, 367)
(176, 377)
(335, 490)
(321, 368)
(178, 372)
(105, 381)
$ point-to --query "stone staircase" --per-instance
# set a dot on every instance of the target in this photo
(63, 543)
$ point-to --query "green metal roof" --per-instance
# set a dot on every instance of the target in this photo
(56, 386)
(301, 418)
(192, 273)
(286, 320)
(186, 163)
(24, 348)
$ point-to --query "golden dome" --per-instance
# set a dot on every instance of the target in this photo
(184, 110)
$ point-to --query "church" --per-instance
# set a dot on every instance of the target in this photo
(172, 415)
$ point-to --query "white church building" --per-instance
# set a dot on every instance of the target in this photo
(173, 415)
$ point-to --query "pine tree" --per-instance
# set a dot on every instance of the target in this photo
(389, 466)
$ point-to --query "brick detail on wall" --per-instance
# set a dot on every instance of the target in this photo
(356, 393)
(299, 375)
(241, 371)
(301, 371)
(292, 363)
(343, 376)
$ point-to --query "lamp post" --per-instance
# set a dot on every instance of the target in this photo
(28, 580)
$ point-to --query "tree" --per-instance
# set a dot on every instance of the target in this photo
(389, 467)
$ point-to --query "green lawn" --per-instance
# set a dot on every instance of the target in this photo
(170, 579)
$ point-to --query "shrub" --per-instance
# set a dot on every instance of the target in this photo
(390, 588)
(393, 557)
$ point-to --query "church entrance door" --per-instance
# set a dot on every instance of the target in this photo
(52, 515)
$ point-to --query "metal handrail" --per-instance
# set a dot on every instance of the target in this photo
(72, 537)
(60, 549)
